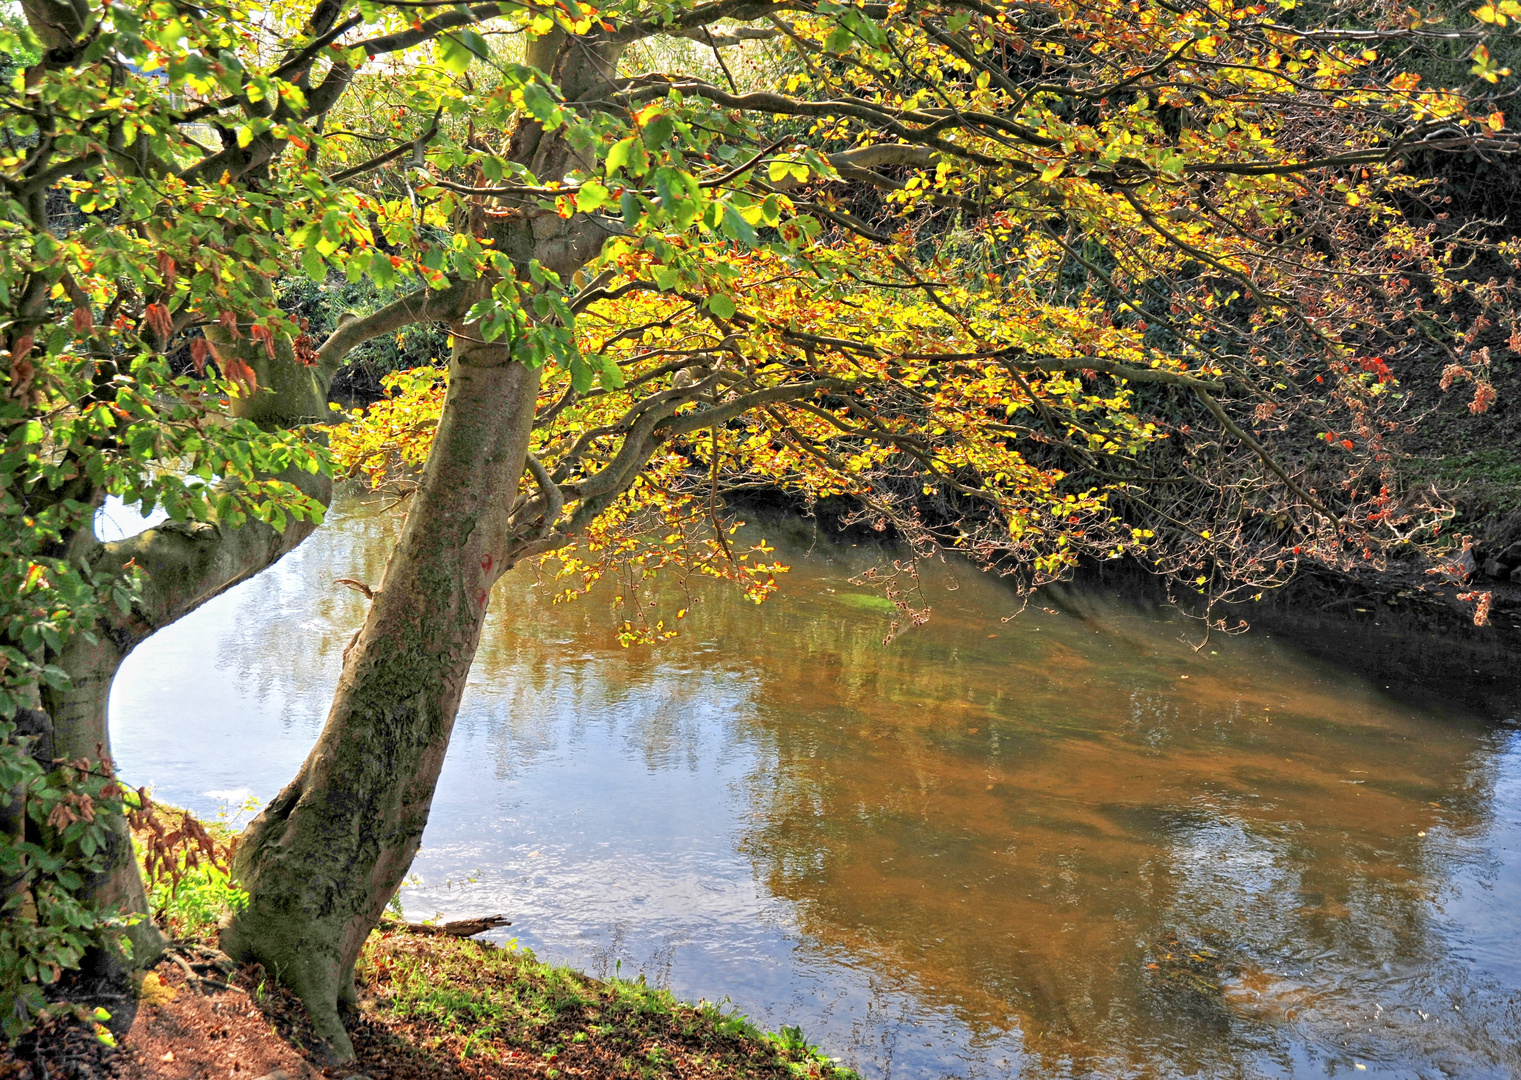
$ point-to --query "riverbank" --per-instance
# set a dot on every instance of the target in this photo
(1399, 627)
(431, 1008)
(1408, 633)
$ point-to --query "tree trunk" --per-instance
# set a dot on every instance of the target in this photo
(323, 859)
(184, 565)
(81, 731)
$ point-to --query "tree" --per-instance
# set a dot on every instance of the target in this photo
(1009, 278)
(111, 259)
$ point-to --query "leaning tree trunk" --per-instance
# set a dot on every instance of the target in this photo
(323, 859)
(80, 731)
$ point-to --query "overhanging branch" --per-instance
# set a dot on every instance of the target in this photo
(424, 305)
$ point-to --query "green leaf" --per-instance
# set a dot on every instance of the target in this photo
(476, 44)
(658, 130)
(627, 154)
(722, 305)
(632, 207)
(382, 272)
(541, 104)
(591, 196)
(311, 262)
(735, 227)
(453, 54)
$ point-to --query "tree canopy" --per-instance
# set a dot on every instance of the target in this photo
(1030, 281)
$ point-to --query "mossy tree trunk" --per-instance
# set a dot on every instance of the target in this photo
(326, 855)
(323, 859)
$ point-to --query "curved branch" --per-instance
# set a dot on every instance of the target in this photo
(722, 414)
(424, 305)
(702, 15)
(553, 498)
(1119, 371)
(724, 39)
(413, 147)
(1267, 459)
(186, 564)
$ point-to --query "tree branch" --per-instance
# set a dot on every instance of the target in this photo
(1267, 459)
(702, 15)
(186, 564)
(424, 305)
(724, 39)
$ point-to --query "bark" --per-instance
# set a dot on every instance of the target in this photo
(79, 723)
(461, 928)
(184, 565)
(323, 859)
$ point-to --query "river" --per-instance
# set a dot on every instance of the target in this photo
(1065, 844)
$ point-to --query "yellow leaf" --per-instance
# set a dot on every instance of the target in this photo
(1496, 120)
(1052, 171)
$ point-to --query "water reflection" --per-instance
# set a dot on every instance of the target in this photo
(1066, 845)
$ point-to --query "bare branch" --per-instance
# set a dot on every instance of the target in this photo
(424, 305)
(723, 39)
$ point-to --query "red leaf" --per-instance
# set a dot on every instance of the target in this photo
(240, 373)
(262, 333)
(160, 322)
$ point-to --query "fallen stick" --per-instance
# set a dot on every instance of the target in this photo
(461, 928)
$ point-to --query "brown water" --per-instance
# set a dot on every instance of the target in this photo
(1064, 845)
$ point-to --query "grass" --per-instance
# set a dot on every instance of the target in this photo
(1489, 480)
(191, 905)
(490, 1006)
(446, 1008)
(204, 895)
